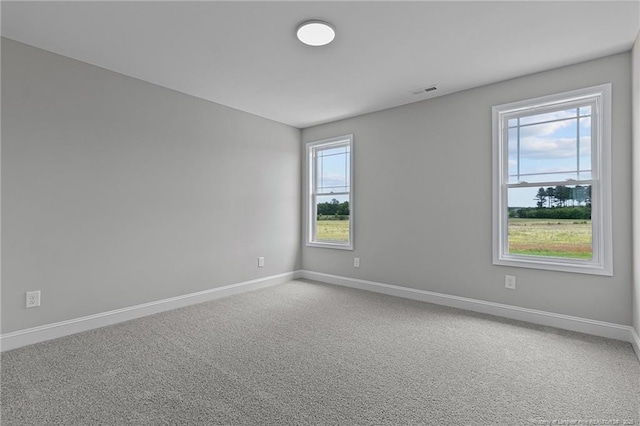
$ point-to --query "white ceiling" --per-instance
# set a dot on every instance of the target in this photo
(245, 54)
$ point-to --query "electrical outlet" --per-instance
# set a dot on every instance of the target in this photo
(510, 282)
(260, 262)
(356, 262)
(33, 299)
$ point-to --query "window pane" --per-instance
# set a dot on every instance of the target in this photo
(585, 148)
(513, 156)
(552, 222)
(333, 169)
(586, 110)
(332, 218)
(546, 152)
(549, 116)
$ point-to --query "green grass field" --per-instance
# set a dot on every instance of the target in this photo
(333, 230)
(535, 237)
(570, 238)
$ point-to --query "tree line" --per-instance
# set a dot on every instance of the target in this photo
(561, 195)
(558, 202)
(334, 209)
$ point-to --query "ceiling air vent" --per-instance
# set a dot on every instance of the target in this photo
(423, 90)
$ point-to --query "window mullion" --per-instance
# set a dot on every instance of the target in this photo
(518, 151)
(578, 144)
(550, 183)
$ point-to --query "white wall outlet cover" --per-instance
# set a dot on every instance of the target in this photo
(510, 282)
(33, 299)
(260, 262)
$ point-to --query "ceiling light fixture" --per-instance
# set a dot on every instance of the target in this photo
(316, 33)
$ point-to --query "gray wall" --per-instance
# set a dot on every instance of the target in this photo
(118, 192)
(635, 72)
(433, 160)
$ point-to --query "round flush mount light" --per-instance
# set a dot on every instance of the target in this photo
(316, 33)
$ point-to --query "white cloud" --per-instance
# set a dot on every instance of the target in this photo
(545, 148)
(330, 180)
(545, 129)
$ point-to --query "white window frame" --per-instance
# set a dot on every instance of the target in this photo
(311, 217)
(602, 261)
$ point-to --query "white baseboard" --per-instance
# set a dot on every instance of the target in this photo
(42, 333)
(29, 336)
(566, 322)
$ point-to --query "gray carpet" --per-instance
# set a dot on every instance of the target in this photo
(313, 354)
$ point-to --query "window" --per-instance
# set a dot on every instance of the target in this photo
(329, 193)
(552, 182)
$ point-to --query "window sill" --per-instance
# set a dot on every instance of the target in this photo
(329, 245)
(550, 264)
